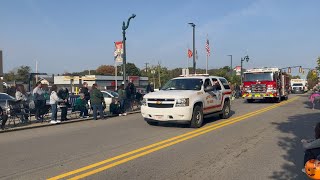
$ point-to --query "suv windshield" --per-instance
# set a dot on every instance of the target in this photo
(297, 84)
(265, 76)
(183, 84)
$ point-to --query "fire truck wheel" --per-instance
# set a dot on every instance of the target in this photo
(197, 117)
(277, 99)
(250, 100)
(226, 110)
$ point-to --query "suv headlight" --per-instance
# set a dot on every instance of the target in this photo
(144, 102)
(182, 102)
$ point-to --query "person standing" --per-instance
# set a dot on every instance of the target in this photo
(122, 99)
(96, 100)
(3, 117)
(21, 96)
(54, 99)
(130, 92)
(85, 90)
(149, 88)
(39, 100)
(63, 94)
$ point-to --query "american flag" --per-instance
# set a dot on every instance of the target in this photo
(208, 47)
(189, 53)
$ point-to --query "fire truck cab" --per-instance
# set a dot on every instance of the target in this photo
(265, 83)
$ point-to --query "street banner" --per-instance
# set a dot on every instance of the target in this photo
(189, 53)
(238, 70)
(118, 51)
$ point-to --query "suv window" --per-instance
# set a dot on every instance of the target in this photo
(225, 83)
(207, 83)
(216, 82)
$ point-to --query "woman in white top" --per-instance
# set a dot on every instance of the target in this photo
(54, 99)
(21, 96)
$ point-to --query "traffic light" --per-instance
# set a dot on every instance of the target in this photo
(300, 69)
(314, 72)
(289, 70)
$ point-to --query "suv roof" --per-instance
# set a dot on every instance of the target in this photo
(197, 77)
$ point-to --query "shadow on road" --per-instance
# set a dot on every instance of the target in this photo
(206, 121)
(297, 127)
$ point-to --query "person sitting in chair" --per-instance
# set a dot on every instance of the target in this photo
(81, 105)
(3, 117)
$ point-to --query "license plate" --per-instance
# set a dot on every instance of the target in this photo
(158, 116)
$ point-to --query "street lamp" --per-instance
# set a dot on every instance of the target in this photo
(231, 64)
(246, 58)
(194, 48)
(124, 28)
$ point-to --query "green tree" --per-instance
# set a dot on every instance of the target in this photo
(132, 70)
(318, 64)
(23, 74)
(105, 70)
(10, 76)
(312, 79)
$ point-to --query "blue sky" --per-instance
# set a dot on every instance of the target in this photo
(74, 35)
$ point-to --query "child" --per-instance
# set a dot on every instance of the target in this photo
(312, 146)
(54, 99)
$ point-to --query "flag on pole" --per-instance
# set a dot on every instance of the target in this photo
(189, 53)
(208, 47)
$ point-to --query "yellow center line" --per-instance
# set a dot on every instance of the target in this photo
(177, 138)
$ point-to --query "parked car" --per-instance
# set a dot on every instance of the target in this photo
(109, 97)
(4, 98)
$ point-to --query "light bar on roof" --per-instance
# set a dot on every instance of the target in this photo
(262, 70)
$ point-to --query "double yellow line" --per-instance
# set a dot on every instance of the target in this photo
(123, 158)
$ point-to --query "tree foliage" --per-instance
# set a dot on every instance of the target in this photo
(105, 70)
(132, 70)
(19, 74)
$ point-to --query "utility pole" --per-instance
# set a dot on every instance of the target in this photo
(1, 72)
(36, 71)
(124, 28)
(146, 66)
(194, 47)
(159, 69)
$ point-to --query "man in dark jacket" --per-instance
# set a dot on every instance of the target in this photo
(96, 101)
(149, 88)
(84, 90)
(3, 117)
(63, 94)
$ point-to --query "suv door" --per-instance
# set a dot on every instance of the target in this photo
(218, 93)
(209, 98)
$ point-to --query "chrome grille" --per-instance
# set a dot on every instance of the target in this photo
(258, 88)
(154, 105)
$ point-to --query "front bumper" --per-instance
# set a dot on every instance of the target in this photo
(174, 114)
(258, 95)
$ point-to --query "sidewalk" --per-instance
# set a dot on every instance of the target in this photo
(46, 123)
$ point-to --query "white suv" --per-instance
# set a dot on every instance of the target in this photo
(187, 100)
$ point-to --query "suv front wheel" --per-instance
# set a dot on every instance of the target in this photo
(197, 117)
(226, 110)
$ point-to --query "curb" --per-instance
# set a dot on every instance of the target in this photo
(64, 122)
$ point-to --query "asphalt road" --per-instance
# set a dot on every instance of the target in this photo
(261, 145)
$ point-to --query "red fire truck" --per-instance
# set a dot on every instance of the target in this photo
(265, 83)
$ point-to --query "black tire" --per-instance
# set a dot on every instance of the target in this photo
(197, 117)
(152, 123)
(225, 110)
(250, 100)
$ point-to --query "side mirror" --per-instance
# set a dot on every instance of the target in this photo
(208, 89)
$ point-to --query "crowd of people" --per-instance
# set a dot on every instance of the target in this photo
(42, 99)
